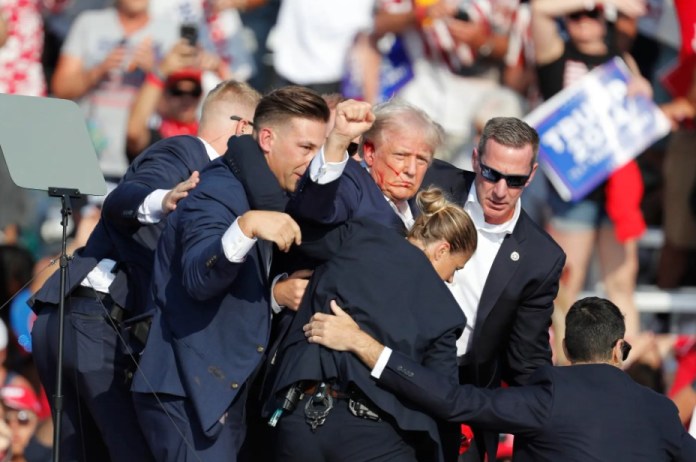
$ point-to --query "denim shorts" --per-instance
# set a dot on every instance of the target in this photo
(584, 215)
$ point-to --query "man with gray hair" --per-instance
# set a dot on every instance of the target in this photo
(397, 149)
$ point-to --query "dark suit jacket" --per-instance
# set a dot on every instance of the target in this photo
(213, 316)
(391, 289)
(353, 195)
(514, 314)
(119, 235)
(592, 412)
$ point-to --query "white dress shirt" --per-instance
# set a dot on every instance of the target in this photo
(468, 282)
(149, 212)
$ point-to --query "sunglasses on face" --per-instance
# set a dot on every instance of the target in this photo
(196, 92)
(625, 348)
(239, 119)
(594, 13)
(494, 176)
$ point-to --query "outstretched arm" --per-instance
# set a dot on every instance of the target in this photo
(512, 410)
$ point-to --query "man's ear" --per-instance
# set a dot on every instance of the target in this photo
(475, 160)
(368, 151)
(531, 175)
(265, 139)
(244, 127)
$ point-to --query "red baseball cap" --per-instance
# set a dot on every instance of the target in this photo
(191, 74)
(20, 397)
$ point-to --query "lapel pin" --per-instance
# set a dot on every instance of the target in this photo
(514, 256)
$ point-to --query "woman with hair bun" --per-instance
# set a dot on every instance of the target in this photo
(393, 288)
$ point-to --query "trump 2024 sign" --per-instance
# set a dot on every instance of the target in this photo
(593, 127)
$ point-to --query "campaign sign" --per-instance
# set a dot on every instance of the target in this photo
(592, 127)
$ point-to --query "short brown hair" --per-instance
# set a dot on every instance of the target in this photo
(511, 132)
(287, 102)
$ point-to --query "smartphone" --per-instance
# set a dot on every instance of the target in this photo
(190, 33)
(462, 15)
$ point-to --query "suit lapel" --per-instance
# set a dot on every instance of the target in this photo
(506, 263)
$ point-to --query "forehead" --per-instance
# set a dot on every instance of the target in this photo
(299, 128)
(508, 159)
(404, 140)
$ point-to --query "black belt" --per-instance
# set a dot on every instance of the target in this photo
(116, 312)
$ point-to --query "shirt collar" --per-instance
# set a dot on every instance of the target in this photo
(212, 153)
(473, 207)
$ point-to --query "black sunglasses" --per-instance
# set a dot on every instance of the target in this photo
(239, 119)
(625, 348)
(594, 13)
(494, 176)
(196, 92)
(352, 149)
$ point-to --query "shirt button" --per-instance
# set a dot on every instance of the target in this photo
(259, 349)
(234, 385)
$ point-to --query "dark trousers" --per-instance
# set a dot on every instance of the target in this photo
(172, 430)
(342, 438)
(98, 413)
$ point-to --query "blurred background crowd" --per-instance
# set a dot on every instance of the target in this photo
(139, 70)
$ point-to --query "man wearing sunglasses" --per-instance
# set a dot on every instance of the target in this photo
(590, 410)
(507, 288)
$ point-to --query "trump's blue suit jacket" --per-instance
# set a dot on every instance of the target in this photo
(579, 413)
(119, 235)
(212, 321)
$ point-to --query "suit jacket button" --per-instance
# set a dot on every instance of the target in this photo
(259, 349)
(234, 385)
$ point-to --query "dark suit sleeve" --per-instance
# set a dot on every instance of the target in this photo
(250, 167)
(327, 204)
(687, 450)
(441, 356)
(528, 344)
(163, 166)
(204, 218)
(511, 410)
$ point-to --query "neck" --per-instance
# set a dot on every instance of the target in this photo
(610, 362)
(131, 22)
(594, 48)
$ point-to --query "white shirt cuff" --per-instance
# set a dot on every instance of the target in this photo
(381, 362)
(323, 172)
(236, 244)
(150, 211)
(274, 304)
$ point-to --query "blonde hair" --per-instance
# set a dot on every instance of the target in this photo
(441, 219)
(228, 92)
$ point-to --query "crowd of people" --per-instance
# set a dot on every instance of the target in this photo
(290, 177)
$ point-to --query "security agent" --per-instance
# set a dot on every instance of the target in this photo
(590, 410)
(108, 282)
